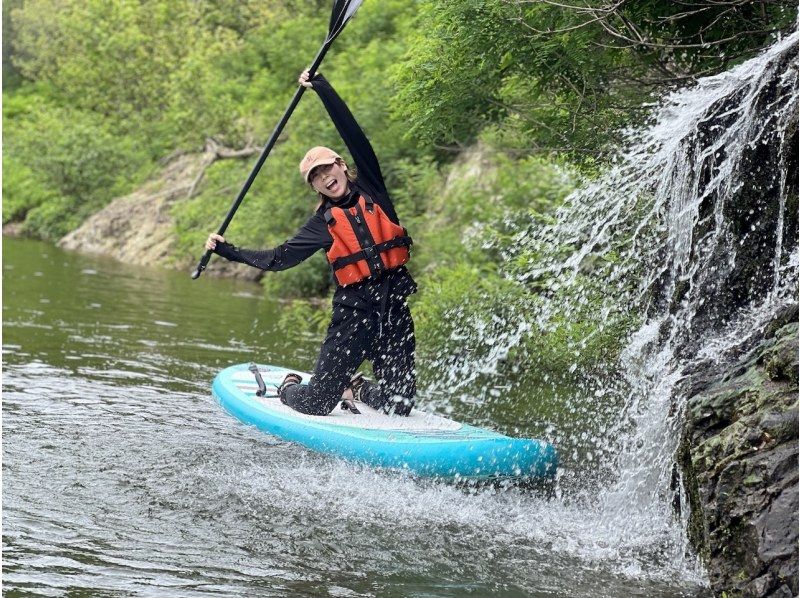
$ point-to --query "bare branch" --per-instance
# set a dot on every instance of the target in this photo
(212, 152)
(635, 37)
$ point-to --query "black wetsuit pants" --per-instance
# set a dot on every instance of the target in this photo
(355, 335)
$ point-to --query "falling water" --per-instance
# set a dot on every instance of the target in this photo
(689, 231)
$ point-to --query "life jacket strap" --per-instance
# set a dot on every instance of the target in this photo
(369, 253)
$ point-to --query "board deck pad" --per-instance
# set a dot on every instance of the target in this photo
(368, 418)
(424, 443)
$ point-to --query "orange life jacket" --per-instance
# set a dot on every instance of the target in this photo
(365, 242)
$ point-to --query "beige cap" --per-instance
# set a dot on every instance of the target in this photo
(317, 156)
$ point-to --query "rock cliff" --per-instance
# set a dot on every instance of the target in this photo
(139, 228)
(739, 457)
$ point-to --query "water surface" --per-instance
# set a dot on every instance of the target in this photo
(122, 476)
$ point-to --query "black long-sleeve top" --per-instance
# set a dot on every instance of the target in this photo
(314, 235)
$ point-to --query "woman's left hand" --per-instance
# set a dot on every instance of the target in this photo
(303, 79)
(213, 239)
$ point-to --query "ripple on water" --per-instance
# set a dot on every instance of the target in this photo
(129, 489)
(123, 476)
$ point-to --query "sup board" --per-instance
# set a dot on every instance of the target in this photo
(423, 443)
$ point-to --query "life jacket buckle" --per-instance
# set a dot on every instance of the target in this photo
(373, 259)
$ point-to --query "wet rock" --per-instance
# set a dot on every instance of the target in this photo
(12, 229)
(740, 465)
(777, 527)
(783, 592)
(759, 586)
(781, 360)
(784, 316)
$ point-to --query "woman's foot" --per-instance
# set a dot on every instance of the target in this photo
(356, 388)
(398, 405)
(290, 380)
(367, 391)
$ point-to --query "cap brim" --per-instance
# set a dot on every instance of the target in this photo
(319, 162)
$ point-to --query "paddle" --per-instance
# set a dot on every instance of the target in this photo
(343, 10)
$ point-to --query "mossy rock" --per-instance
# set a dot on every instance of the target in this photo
(739, 464)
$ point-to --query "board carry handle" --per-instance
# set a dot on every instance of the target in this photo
(262, 388)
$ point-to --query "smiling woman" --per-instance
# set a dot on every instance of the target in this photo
(326, 172)
(355, 223)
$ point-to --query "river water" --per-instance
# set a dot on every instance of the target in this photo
(122, 475)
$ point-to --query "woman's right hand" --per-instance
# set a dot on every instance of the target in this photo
(213, 239)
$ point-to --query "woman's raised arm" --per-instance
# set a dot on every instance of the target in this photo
(366, 162)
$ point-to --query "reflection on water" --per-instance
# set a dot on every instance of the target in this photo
(122, 475)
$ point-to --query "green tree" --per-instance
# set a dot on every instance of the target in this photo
(62, 165)
(565, 77)
(145, 68)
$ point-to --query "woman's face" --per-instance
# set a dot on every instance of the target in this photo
(330, 180)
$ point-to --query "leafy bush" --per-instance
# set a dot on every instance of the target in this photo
(69, 165)
(301, 316)
(22, 189)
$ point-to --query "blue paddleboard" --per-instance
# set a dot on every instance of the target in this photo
(423, 443)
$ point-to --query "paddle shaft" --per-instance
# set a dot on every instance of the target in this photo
(262, 158)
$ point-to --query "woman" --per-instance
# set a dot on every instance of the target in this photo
(356, 225)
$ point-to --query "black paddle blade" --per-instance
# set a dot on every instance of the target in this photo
(343, 10)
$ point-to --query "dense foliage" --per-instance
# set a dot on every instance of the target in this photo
(482, 112)
(565, 76)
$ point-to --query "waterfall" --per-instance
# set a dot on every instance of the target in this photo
(696, 209)
(692, 229)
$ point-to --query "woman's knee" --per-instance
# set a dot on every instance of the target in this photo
(299, 398)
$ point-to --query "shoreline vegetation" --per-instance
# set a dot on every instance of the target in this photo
(129, 127)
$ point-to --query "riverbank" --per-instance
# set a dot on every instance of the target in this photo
(139, 228)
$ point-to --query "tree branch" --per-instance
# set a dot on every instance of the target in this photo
(212, 152)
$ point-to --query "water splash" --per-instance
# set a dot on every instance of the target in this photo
(689, 230)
